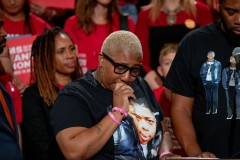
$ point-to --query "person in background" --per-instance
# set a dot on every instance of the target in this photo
(90, 115)
(17, 13)
(129, 7)
(200, 134)
(54, 16)
(18, 22)
(93, 22)
(163, 95)
(6, 81)
(168, 21)
(54, 65)
(9, 135)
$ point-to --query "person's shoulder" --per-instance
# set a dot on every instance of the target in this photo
(31, 89)
(71, 23)
(217, 62)
(72, 19)
(201, 6)
(37, 20)
(76, 86)
(208, 31)
(145, 11)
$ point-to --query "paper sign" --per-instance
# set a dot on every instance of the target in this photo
(65, 4)
(20, 48)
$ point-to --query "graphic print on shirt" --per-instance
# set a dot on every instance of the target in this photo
(139, 135)
(210, 74)
(231, 84)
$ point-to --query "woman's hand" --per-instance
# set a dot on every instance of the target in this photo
(121, 95)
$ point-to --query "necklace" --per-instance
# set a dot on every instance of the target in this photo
(171, 18)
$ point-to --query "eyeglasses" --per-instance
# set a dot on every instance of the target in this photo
(121, 69)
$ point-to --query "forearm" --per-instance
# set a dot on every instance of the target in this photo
(87, 143)
(185, 132)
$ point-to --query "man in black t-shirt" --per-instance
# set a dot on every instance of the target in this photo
(200, 134)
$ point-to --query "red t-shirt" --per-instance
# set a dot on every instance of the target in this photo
(14, 93)
(16, 28)
(125, 2)
(165, 104)
(89, 46)
(203, 17)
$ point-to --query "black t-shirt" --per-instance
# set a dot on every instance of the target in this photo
(85, 102)
(215, 133)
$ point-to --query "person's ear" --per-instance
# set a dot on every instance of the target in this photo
(159, 70)
(100, 59)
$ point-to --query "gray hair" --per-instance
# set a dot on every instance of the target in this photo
(122, 41)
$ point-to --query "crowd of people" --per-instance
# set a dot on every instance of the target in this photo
(122, 79)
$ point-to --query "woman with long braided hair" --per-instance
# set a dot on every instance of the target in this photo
(54, 65)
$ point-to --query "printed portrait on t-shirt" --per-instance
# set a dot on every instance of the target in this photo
(210, 74)
(231, 84)
(139, 135)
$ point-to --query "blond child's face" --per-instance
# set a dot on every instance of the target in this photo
(166, 63)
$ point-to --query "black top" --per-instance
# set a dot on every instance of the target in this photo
(215, 133)
(85, 102)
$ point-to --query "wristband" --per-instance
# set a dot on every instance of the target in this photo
(114, 118)
(164, 153)
(121, 111)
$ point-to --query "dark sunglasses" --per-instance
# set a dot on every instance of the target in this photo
(121, 68)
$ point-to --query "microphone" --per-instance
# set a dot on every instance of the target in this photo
(236, 55)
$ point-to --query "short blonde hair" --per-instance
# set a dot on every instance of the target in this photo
(167, 48)
(122, 41)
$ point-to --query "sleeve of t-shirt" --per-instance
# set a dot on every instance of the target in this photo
(141, 30)
(70, 110)
(179, 79)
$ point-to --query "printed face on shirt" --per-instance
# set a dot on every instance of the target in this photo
(13, 7)
(65, 55)
(232, 61)
(210, 57)
(166, 63)
(230, 16)
(144, 121)
(109, 77)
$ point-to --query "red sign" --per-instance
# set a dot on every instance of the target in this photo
(65, 4)
(20, 48)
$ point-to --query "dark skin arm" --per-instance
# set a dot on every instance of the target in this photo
(181, 116)
(83, 143)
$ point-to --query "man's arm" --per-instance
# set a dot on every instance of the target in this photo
(181, 117)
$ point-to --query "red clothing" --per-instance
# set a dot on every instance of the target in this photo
(172, 33)
(15, 95)
(125, 2)
(165, 104)
(16, 28)
(89, 46)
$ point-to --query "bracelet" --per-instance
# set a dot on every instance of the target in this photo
(164, 153)
(121, 111)
(114, 118)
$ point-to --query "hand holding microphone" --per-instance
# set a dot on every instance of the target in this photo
(121, 95)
